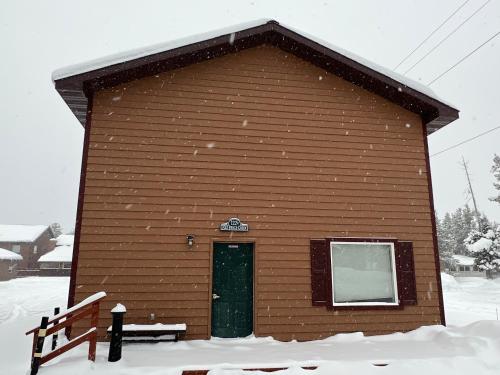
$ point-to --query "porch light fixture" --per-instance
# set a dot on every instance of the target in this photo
(190, 240)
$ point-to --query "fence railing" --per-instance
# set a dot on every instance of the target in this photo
(64, 320)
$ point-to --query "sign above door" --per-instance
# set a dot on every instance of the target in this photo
(234, 225)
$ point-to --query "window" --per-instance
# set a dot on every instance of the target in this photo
(363, 273)
(16, 249)
(35, 249)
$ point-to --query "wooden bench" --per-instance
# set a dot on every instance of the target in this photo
(152, 332)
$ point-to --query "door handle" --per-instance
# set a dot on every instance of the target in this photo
(215, 296)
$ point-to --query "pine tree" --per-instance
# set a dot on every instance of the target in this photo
(496, 172)
(484, 245)
(462, 222)
(445, 241)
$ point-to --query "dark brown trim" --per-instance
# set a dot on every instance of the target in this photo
(79, 211)
(434, 230)
(74, 89)
(330, 305)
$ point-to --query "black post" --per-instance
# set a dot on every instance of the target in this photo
(54, 336)
(37, 356)
(115, 346)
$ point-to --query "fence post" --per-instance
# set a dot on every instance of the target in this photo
(54, 336)
(115, 346)
(94, 320)
(37, 356)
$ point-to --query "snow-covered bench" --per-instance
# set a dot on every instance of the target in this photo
(152, 332)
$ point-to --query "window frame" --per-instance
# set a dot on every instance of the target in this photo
(365, 305)
(16, 246)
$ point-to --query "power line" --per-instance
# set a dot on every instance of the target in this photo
(446, 37)
(431, 34)
(467, 140)
(462, 59)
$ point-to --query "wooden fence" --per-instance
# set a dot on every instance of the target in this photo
(64, 320)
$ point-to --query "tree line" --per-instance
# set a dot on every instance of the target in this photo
(465, 232)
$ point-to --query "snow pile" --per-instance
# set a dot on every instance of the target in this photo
(21, 233)
(59, 254)
(65, 240)
(9, 255)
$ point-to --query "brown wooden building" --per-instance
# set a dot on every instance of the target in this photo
(256, 180)
(29, 241)
(9, 262)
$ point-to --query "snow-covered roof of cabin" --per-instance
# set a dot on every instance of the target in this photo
(9, 255)
(59, 254)
(21, 233)
(170, 45)
(65, 240)
(464, 260)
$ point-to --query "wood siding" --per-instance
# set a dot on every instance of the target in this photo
(262, 135)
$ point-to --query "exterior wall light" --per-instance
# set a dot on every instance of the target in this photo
(190, 240)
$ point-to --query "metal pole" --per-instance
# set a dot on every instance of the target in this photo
(115, 346)
(472, 194)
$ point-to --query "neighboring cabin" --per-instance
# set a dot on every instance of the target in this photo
(58, 261)
(255, 180)
(29, 241)
(9, 262)
(464, 267)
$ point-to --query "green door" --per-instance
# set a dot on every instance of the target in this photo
(232, 290)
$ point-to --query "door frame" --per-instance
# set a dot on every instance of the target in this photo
(211, 276)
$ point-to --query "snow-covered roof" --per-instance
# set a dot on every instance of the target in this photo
(65, 240)
(21, 233)
(9, 255)
(59, 254)
(464, 260)
(120, 57)
(170, 45)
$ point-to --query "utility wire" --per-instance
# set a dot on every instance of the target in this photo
(467, 140)
(462, 59)
(446, 37)
(431, 34)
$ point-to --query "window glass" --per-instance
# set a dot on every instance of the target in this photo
(16, 248)
(363, 273)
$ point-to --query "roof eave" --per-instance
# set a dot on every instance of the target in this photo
(76, 89)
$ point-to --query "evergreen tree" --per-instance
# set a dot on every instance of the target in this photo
(485, 247)
(496, 172)
(446, 243)
(462, 222)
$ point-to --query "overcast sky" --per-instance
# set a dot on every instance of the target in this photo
(41, 140)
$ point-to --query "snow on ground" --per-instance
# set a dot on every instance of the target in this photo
(456, 350)
(469, 299)
(22, 303)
